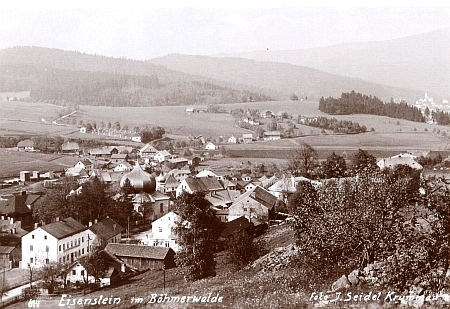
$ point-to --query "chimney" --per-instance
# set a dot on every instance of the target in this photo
(36, 225)
(95, 221)
(11, 220)
(90, 223)
(56, 219)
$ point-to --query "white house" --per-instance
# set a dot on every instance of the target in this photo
(161, 156)
(61, 241)
(232, 139)
(137, 139)
(211, 146)
(148, 151)
(163, 234)
(123, 167)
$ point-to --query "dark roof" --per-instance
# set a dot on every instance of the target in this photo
(264, 197)
(235, 225)
(141, 251)
(64, 228)
(105, 229)
(18, 204)
(119, 156)
(204, 184)
(70, 146)
(26, 143)
(6, 249)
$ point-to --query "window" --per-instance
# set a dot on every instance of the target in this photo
(31, 260)
(32, 236)
(71, 244)
(245, 208)
(46, 261)
(82, 251)
(160, 229)
(82, 272)
(74, 272)
(167, 243)
(59, 247)
(82, 239)
(45, 237)
(64, 246)
(31, 248)
(161, 208)
(46, 249)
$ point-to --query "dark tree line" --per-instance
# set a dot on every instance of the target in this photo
(357, 103)
(338, 126)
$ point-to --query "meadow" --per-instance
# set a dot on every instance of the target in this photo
(389, 136)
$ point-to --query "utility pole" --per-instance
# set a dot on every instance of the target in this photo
(164, 273)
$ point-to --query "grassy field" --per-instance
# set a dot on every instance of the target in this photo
(14, 161)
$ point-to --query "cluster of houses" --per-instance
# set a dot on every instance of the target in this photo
(240, 200)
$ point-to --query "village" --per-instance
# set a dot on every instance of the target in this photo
(247, 196)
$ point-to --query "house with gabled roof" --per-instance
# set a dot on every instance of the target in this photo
(143, 257)
(61, 241)
(162, 233)
(257, 203)
(19, 208)
(147, 151)
(161, 156)
(235, 226)
(25, 145)
(207, 185)
(70, 148)
(116, 269)
(123, 166)
(247, 138)
(105, 152)
(232, 139)
(104, 232)
(271, 135)
(211, 146)
(119, 157)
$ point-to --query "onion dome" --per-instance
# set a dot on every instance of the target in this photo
(140, 180)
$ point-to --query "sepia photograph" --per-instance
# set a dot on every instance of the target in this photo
(244, 156)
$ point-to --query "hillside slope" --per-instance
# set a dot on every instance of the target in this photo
(62, 77)
(283, 77)
(419, 62)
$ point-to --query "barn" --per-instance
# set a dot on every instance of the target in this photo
(143, 257)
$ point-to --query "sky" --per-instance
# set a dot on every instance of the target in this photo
(144, 32)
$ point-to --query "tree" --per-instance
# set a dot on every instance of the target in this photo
(197, 230)
(49, 274)
(362, 160)
(334, 166)
(243, 249)
(57, 202)
(93, 201)
(95, 265)
(303, 161)
(346, 225)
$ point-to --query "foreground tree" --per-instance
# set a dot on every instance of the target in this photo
(243, 249)
(95, 265)
(198, 230)
(347, 224)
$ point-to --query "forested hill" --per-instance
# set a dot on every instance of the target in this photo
(283, 77)
(67, 77)
(357, 103)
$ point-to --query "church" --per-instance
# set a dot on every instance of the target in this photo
(144, 191)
